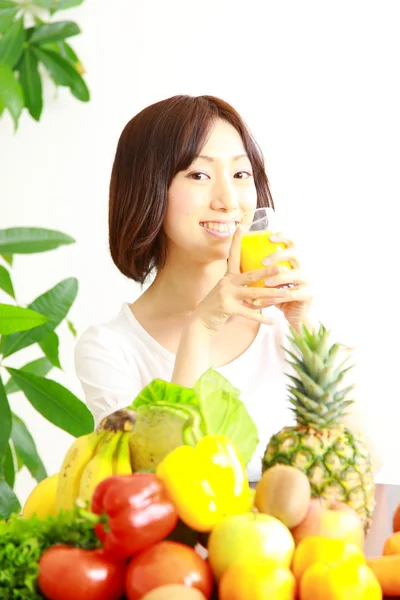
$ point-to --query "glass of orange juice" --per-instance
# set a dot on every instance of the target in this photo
(257, 227)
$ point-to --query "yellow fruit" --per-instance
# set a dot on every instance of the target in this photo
(342, 580)
(252, 495)
(326, 550)
(75, 462)
(251, 537)
(257, 580)
(100, 467)
(42, 499)
(285, 493)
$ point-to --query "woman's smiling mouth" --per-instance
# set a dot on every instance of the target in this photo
(220, 228)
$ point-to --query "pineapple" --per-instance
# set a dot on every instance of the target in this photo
(335, 459)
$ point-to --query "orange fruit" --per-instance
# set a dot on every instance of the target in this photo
(342, 580)
(326, 550)
(392, 544)
(257, 580)
(396, 519)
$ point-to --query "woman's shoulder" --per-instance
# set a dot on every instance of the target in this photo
(116, 331)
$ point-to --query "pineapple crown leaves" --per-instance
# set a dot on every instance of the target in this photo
(315, 393)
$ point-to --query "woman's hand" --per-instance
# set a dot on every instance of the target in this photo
(296, 305)
(231, 296)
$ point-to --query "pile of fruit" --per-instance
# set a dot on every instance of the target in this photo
(156, 505)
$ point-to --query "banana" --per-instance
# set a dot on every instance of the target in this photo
(122, 456)
(74, 463)
(100, 466)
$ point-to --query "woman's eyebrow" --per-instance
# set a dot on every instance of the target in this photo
(212, 159)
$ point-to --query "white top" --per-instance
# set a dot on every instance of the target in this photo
(115, 360)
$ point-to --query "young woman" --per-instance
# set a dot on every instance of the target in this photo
(186, 170)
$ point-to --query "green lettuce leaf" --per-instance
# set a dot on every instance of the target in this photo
(225, 414)
(213, 407)
(164, 391)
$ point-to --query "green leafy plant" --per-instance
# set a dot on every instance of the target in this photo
(29, 40)
(20, 327)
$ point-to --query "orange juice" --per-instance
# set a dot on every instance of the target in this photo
(256, 246)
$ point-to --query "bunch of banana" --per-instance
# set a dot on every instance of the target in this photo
(94, 457)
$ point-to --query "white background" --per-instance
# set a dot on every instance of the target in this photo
(317, 82)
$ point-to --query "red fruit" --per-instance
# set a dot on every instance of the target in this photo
(164, 563)
(67, 573)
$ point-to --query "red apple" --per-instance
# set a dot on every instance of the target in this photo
(332, 519)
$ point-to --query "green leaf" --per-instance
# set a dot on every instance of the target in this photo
(9, 467)
(159, 390)
(72, 328)
(50, 346)
(8, 258)
(26, 450)
(5, 419)
(213, 400)
(17, 318)
(11, 95)
(12, 44)
(55, 304)
(57, 404)
(20, 463)
(8, 500)
(64, 4)
(31, 84)
(40, 366)
(63, 73)
(5, 282)
(29, 240)
(224, 413)
(211, 390)
(69, 54)
(47, 4)
(55, 5)
(8, 11)
(53, 32)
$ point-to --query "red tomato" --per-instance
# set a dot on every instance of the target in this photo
(66, 573)
(164, 563)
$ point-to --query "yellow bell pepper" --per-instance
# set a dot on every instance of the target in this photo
(342, 580)
(206, 483)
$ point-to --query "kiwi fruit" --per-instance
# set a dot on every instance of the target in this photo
(285, 493)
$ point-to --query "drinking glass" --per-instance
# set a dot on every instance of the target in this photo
(257, 227)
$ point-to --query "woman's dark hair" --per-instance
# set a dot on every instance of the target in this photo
(159, 142)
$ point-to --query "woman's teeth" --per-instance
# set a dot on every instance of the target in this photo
(221, 227)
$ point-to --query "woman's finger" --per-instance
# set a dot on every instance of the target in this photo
(234, 252)
(292, 276)
(256, 293)
(282, 255)
(281, 238)
(250, 277)
(301, 294)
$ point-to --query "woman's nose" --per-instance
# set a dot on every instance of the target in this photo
(225, 196)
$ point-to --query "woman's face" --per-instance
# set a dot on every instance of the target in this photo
(205, 201)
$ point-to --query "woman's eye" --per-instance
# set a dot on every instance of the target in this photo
(243, 175)
(198, 176)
